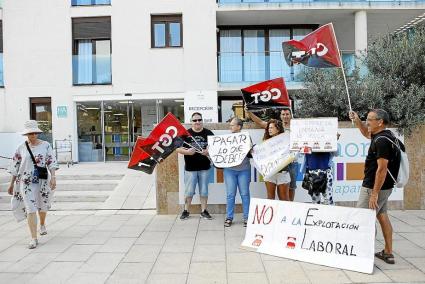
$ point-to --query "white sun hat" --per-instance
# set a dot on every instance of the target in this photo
(31, 126)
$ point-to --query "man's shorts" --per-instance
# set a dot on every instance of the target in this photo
(192, 179)
(383, 196)
(279, 178)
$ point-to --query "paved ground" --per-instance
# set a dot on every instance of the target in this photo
(132, 246)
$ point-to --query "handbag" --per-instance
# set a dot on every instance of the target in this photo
(40, 172)
(315, 182)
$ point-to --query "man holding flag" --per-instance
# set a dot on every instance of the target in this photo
(197, 165)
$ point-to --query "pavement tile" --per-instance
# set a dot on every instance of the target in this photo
(213, 272)
(233, 245)
(117, 245)
(172, 263)
(32, 263)
(406, 248)
(76, 231)
(244, 262)
(95, 238)
(14, 253)
(400, 263)
(377, 276)
(4, 265)
(209, 253)
(57, 272)
(278, 272)
(152, 238)
(128, 232)
(210, 238)
(131, 272)
(167, 279)
(418, 262)
(316, 267)
(78, 253)
(182, 244)
(92, 220)
(139, 220)
(56, 244)
(88, 278)
(247, 278)
(102, 262)
(406, 275)
(142, 253)
(416, 238)
(327, 276)
(109, 225)
(216, 224)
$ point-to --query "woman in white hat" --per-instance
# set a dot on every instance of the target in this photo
(33, 170)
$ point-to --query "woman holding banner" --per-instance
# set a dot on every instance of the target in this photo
(237, 177)
(282, 179)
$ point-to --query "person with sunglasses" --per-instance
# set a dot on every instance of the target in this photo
(197, 166)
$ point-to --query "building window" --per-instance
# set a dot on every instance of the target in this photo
(90, 2)
(91, 51)
(255, 54)
(1, 54)
(41, 111)
(167, 31)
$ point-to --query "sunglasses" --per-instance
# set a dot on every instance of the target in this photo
(196, 120)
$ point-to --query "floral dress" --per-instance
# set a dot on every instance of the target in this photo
(36, 194)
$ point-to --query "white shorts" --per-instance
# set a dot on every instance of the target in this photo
(279, 178)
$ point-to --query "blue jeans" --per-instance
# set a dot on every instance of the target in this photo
(233, 180)
(191, 179)
(293, 168)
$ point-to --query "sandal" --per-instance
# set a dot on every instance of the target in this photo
(228, 223)
(387, 257)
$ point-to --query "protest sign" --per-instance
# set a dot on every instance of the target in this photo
(229, 150)
(341, 237)
(319, 134)
(167, 136)
(272, 155)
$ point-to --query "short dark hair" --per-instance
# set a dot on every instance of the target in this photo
(382, 114)
(238, 121)
(196, 113)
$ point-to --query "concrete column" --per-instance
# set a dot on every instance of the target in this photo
(360, 31)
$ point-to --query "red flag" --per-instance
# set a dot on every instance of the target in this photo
(167, 136)
(317, 49)
(140, 160)
(272, 93)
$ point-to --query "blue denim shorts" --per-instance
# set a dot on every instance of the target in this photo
(196, 178)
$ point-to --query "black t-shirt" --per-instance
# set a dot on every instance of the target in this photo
(382, 148)
(197, 162)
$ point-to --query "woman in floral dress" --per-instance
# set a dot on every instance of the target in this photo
(36, 194)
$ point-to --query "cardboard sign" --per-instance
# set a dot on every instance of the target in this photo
(340, 237)
(229, 150)
(319, 134)
(272, 155)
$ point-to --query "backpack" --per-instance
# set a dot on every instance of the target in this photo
(403, 172)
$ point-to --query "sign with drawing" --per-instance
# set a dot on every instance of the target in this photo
(319, 134)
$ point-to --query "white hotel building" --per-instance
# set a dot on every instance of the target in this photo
(101, 72)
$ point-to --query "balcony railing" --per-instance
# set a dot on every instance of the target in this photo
(248, 67)
(314, 1)
(90, 2)
(91, 69)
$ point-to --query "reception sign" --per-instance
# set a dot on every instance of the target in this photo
(319, 134)
(341, 237)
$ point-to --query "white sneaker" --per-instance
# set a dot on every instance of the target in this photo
(43, 230)
(33, 244)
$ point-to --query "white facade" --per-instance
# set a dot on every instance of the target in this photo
(37, 44)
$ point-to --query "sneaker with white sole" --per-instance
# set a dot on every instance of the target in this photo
(33, 244)
(43, 230)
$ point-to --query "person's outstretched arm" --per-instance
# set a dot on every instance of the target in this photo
(359, 124)
(257, 120)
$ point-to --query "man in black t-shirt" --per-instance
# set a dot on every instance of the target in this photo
(377, 183)
(197, 166)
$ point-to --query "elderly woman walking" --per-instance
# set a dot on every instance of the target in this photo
(33, 172)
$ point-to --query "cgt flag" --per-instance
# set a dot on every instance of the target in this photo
(317, 49)
(140, 160)
(272, 93)
(167, 136)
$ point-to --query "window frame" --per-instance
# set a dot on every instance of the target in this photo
(166, 19)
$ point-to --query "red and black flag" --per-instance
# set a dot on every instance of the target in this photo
(167, 136)
(317, 49)
(272, 93)
(140, 160)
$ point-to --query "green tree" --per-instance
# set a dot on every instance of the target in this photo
(395, 81)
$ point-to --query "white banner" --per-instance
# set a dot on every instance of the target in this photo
(272, 155)
(334, 236)
(319, 134)
(229, 150)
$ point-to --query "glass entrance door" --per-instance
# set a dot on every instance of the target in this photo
(117, 130)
